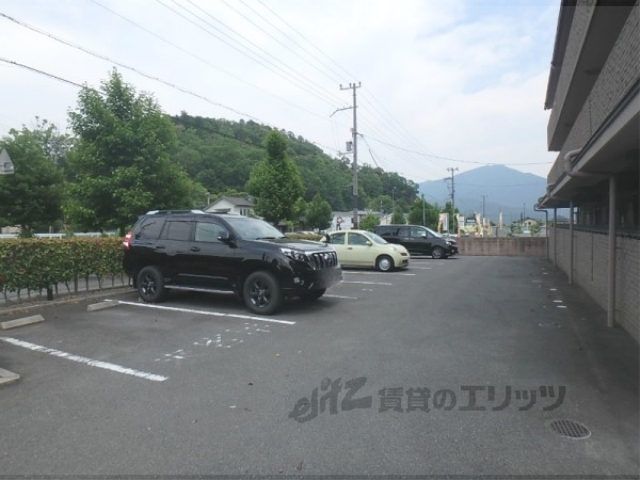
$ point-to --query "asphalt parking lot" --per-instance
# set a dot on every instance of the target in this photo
(467, 366)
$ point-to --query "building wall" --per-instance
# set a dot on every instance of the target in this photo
(618, 75)
(591, 267)
(579, 28)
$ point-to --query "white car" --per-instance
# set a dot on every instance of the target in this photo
(363, 249)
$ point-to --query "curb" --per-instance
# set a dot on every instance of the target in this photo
(69, 299)
(20, 322)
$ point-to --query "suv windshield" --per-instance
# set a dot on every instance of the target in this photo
(253, 228)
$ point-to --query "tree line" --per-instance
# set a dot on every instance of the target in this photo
(125, 156)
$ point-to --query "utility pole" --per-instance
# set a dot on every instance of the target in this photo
(424, 223)
(354, 131)
(453, 188)
(453, 192)
(483, 197)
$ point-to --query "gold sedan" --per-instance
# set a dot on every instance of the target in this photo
(363, 249)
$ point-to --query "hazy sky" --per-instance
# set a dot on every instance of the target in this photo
(445, 83)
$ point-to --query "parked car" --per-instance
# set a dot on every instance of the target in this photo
(418, 240)
(193, 250)
(359, 248)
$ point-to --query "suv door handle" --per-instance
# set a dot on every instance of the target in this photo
(159, 247)
(195, 249)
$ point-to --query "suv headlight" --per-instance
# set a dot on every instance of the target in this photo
(295, 254)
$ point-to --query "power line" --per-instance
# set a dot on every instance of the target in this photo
(323, 72)
(455, 159)
(103, 57)
(159, 37)
(303, 37)
(41, 72)
(250, 55)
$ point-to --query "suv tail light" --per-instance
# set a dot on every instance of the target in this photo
(127, 240)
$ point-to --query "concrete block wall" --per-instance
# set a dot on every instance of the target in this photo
(591, 271)
(510, 246)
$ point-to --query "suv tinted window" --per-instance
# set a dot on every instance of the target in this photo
(177, 230)
(208, 232)
(150, 228)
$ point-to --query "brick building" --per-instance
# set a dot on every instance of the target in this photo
(594, 96)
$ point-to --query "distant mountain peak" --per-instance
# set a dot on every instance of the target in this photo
(501, 188)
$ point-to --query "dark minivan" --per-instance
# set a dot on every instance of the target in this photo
(418, 240)
(193, 250)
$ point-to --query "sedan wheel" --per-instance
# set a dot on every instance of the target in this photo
(384, 263)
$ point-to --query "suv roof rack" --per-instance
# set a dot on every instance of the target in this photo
(170, 212)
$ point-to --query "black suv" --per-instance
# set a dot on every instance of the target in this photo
(418, 240)
(193, 250)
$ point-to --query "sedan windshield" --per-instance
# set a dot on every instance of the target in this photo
(376, 238)
(253, 228)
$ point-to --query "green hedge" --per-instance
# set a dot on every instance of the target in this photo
(38, 264)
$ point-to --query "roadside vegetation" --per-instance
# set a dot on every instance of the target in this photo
(123, 156)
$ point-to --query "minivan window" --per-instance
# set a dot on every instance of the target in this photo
(178, 230)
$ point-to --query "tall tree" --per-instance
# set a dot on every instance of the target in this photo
(121, 166)
(398, 217)
(319, 214)
(431, 214)
(31, 197)
(275, 181)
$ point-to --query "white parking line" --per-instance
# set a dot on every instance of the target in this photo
(380, 273)
(87, 361)
(369, 283)
(341, 296)
(204, 312)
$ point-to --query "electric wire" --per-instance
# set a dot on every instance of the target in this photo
(120, 64)
(250, 55)
(304, 78)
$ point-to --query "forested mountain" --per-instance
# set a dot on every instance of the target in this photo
(219, 154)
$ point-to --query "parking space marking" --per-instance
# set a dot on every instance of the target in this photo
(380, 273)
(341, 296)
(369, 283)
(204, 312)
(87, 361)
(419, 268)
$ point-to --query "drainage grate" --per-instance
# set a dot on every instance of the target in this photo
(569, 428)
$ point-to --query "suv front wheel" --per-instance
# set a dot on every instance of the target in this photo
(151, 285)
(261, 293)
